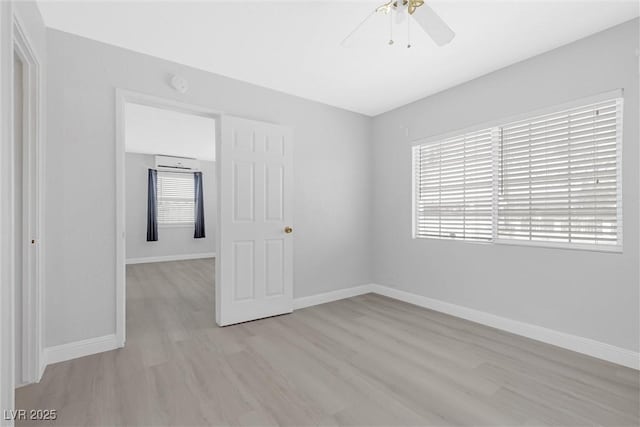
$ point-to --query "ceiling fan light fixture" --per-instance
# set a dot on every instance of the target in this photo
(426, 18)
(414, 4)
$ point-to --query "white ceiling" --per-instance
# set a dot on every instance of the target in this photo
(151, 130)
(294, 46)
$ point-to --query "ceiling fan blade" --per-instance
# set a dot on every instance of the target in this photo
(347, 41)
(433, 25)
(360, 33)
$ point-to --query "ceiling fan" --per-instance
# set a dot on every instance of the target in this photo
(410, 10)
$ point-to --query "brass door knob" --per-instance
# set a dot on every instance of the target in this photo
(288, 229)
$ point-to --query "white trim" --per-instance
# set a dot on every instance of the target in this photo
(619, 146)
(587, 346)
(32, 204)
(43, 365)
(170, 258)
(122, 97)
(415, 151)
(12, 34)
(73, 350)
(564, 340)
(330, 296)
(121, 295)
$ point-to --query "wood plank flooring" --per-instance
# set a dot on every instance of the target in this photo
(364, 361)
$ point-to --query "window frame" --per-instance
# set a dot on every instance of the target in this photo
(495, 128)
(162, 224)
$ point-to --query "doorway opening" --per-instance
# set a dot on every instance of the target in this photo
(167, 214)
(254, 185)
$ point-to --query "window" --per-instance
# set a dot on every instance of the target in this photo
(176, 198)
(454, 188)
(552, 180)
(559, 177)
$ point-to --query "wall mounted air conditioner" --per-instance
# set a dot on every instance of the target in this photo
(178, 164)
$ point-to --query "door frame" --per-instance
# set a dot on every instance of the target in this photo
(16, 40)
(123, 97)
(33, 218)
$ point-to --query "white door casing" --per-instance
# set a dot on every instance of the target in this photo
(27, 222)
(254, 278)
(123, 97)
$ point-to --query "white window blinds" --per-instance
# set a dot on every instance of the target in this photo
(559, 177)
(552, 179)
(176, 198)
(453, 187)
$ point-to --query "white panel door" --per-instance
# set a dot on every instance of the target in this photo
(254, 277)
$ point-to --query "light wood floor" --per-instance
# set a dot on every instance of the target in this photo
(363, 361)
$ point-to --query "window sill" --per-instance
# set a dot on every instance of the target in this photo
(176, 225)
(449, 239)
(616, 249)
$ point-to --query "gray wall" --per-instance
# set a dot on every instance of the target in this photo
(589, 294)
(172, 240)
(339, 181)
(332, 160)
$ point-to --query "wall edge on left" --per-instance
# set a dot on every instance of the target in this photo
(7, 374)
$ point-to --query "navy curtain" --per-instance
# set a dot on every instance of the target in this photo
(152, 206)
(199, 231)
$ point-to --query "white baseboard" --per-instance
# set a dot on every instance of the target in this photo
(590, 347)
(43, 365)
(575, 343)
(325, 297)
(170, 258)
(73, 350)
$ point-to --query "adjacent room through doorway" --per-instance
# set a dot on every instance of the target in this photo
(170, 187)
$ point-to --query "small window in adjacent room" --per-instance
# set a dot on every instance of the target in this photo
(176, 198)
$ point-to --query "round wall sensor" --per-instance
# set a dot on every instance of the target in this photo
(179, 83)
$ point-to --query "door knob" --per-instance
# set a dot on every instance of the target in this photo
(288, 229)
